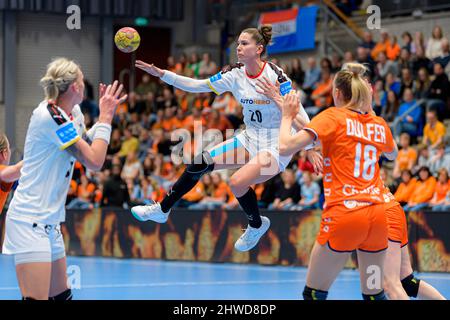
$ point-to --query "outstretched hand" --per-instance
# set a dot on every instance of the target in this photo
(270, 90)
(149, 68)
(109, 100)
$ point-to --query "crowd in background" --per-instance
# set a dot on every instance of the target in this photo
(410, 78)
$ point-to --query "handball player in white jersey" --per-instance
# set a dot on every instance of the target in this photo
(56, 138)
(250, 81)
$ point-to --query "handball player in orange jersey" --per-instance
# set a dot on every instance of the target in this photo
(399, 280)
(354, 216)
(8, 174)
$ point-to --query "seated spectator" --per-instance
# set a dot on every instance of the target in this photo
(142, 192)
(407, 41)
(420, 61)
(194, 65)
(423, 159)
(444, 58)
(115, 144)
(166, 100)
(434, 130)
(132, 168)
(296, 73)
(115, 190)
(390, 109)
(423, 191)
(287, 193)
(434, 44)
(410, 123)
(145, 143)
(393, 50)
(218, 121)
(220, 191)
(406, 187)
(348, 57)
(195, 121)
(407, 81)
(312, 76)
(439, 201)
(323, 89)
(195, 195)
(393, 84)
(405, 61)
(368, 42)
(363, 57)
(171, 64)
(385, 66)
(168, 121)
(146, 86)
(439, 160)
(382, 45)
(439, 91)
(310, 194)
(129, 144)
(207, 67)
(379, 98)
(422, 84)
(406, 158)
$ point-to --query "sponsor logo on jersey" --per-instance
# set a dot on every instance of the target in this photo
(67, 133)
(215, 78)
(255, 101)
(285, 88)
(350, 190)
(352, 204)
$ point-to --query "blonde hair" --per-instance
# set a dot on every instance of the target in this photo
(262, 36)
(3, 141)
(349, 80)
(61, 73)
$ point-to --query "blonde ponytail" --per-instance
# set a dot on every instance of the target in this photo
(61, 73)
(350, 81)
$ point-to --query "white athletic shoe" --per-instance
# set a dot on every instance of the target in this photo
(251, 236)
(151, 212)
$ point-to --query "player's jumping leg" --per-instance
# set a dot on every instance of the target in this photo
(221, 157)
(258, 170)
(392, 284)
(413, 286)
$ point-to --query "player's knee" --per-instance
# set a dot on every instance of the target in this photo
(63, 296)
(237, 186)
(391, 285)
(411, 285)
(314, 294)
(202, 164)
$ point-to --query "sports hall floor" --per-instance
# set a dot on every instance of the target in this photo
(114, 279)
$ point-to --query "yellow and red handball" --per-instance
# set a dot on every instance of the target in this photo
(127, 39)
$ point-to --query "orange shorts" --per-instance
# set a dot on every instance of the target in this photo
(346, 230)
(397, 225)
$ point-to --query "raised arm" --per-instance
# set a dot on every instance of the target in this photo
(289, 144)
(184, 83)
(93, 156)
(11, 173)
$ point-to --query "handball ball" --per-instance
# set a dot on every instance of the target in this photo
(127, 39)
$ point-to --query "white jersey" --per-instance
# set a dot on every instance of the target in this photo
(47, 167)
(262, 117)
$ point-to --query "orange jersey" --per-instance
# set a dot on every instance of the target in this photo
(5, 188)
(352, 144)
(389, 198)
